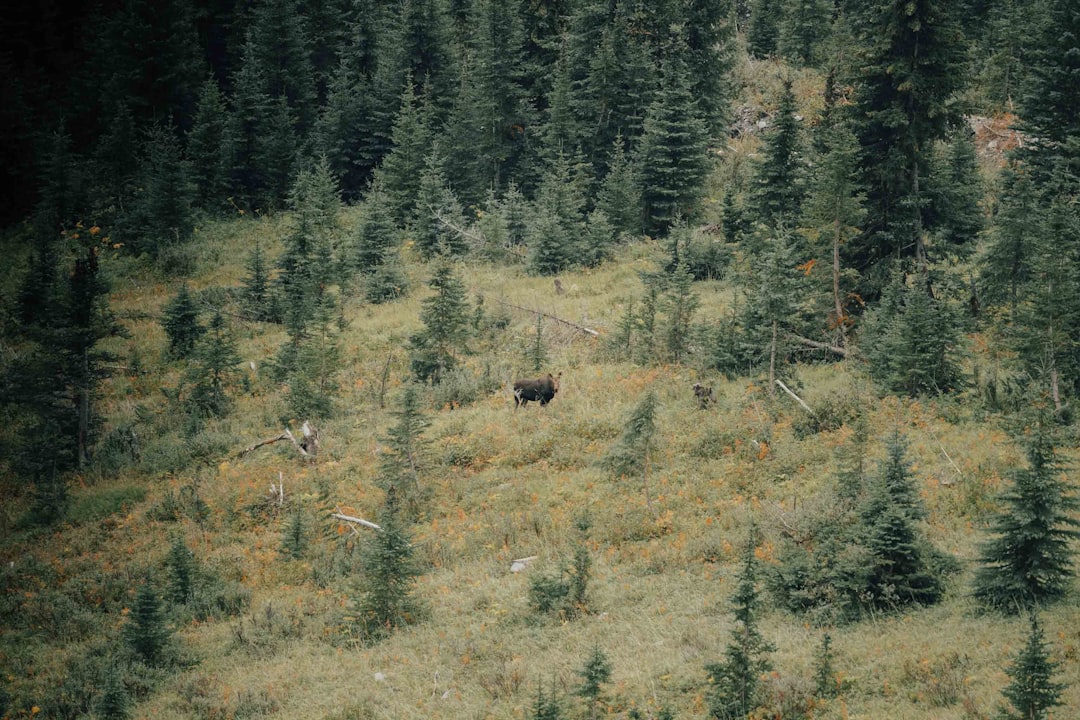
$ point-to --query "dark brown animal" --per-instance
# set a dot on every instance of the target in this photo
(541, 389)
(704, 394)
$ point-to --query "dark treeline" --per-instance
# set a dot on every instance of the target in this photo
(555, 129)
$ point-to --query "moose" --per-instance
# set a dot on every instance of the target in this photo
(542, 389)
(704, 394)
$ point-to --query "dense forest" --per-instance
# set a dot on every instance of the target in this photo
(805, 275)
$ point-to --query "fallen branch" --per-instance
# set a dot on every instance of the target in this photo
(308, 448)
(798, 399)
(355, 520)
(574, 325)
(842, 352)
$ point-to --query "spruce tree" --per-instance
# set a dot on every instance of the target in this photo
(900, 569)
(1008, 261)
(294, 538)
(594, 674)
(619, 196)
(802, 29)
(679, 304)
(114, 702)
(146, 631)
(180, 564)
(437, 219)
(911, 59)
(1028, 560)
(376, 233)
(435, 349)
(404, 457)
(764, 27)
(208, 146)
(160, 220)
(1032, 692)
(255, 292)
(777, 187)
(212, 374)
(181, 324)
(384, 593)
(736, 680)
(313, 386)
(672, 157)
(632, 454)
(402, 170)
(956, 191)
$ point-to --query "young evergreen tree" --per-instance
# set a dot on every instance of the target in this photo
(736, 680)
(437, 219)
(679, 304)
(546, 707)
(833, 213)
(553, 234)
(1032, 692)
(672, 157)
(910, 341)
(900, 569)
(160, 221)
(312, 379)
(403, 169)
(404, 457)
(256, 297)
(376, 232)
(632, 454)
(802, 29)
(294, 538)
(1007, 264)
(114, 702)
(777, 188)
(619, 196)
(180, 565)
(435, 349)
(212, 374)
(147, 632)
(955, 192)
(764, 27)
(384, 594)
(1028, 561)
(208, 146)
(826, 684)
(594, 674)
(181, 324)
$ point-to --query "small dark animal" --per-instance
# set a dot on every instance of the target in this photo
(542, 389)
(704, 395)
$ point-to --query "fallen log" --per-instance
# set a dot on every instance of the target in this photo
(576, 326)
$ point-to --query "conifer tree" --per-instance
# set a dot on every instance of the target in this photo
(376, 232)
(208, 147)
(679, 303)
(294, 539)
(1032, 692)
(312, 377)
(764, 27)
(146, 631)
(180, 564)
(911, 342)
(802, 28)
(736, 680)
(834, 211)
(213, 371)
(1007, 265)
(1028, 560)
(956, 190)
(900, 570)
(672, 157)
(825, 681)
(255, 293)
(436, 348)
(384, 593)
(404, 458)
(114, 702)
(594, 674)
(160, 221)
(546, 707)
(403, 168)
(619, 196)
(632, 454)
(777, 189)
(437, 217)
(181, 323)
(911, 60)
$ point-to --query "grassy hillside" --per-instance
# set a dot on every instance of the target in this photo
(506, 485)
